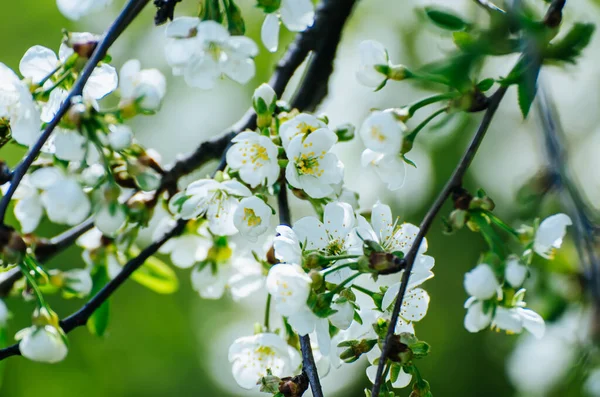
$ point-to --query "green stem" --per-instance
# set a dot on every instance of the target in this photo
(500, 223)
(335, 269)
(49, 75)
(27, 273)
(268, 312)
(58, 82)
(411, 137)
(343, 283)
(364, 290)
(428, 101)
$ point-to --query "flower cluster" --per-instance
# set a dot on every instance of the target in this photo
(499, 301)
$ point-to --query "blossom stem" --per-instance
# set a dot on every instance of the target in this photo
(129, 12)
(413, 134)
(59, 81)
(335, 269)
(501, 224)
(268, 312)
(344, 283)
(38, 294)
(412, 109)
(363, 290)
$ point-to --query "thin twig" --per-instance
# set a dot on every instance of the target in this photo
(584, 226)
(454, 182)
(129, 12)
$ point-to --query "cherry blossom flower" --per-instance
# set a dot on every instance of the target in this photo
(550, 234)
(42, 343)
(217, 200)
(144, 88)
(252, 356)
(382, 132)
(75, 9)
(476, 318)
(296, 15)
(311, 166)
(120, 137)
(390, 168)
(302, 124)
(49, 190)
(255, 157)
(393, 236)
(414, 304)
(514, 320)
(515, 273)
(184, 250)
(203, 51)
(78, 282)
(17, 107)
(252, 217)
(373, 56)
(481, 282)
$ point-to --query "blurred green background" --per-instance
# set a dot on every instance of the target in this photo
(164, 345)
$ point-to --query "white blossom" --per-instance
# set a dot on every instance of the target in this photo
(302, 124)
(109, 220)
(514, 320)
(255, 157)
(287, 246)
(252, 217)
(120, 137)
(550, 234)
(4, 314)
(296, 15)
(65, 202)
(403, 380)
(515, 273)
(390, 168)
(203, 51)
(78, 281)
(311, 166)
(75, 9)
(414, 304)
(217, 200)
(184, 250)
(476, 318)
(264, 97)
(344, 315)
(42, 343)
(382, 132)
(372, 54)
(144, 87)
(251, 356)
(481, 282)
(393, 236)
(18, 108)
(38, 62)
(210, 282)
(247, 276)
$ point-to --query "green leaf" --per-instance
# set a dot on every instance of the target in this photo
(157, 276)
(446, 19)
(485, 85)
(235, 21)
(98, 322)
(570, 47)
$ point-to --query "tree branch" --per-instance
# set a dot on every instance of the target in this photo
(129, 12)
(308, 361)
(584, 226)
(454, 182)
(322, 30)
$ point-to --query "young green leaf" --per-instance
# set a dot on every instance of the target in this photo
(446, 19)
(570, 47)
(98, 322)
(157, 276)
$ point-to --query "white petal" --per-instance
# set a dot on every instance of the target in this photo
(269, 32)
(297, 15)
(37, 63)
(103, 81)
(311, 232)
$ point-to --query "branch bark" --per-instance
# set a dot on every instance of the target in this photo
(584, 227)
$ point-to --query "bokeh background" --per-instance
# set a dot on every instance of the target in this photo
(177, 344)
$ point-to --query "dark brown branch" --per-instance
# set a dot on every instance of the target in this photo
(454, 183)
(131, 10)
(308, 361)
(583, 226)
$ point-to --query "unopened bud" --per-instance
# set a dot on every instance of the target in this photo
(345, 132)
(314, 260)
(317, 279)
(398, 351)
(78, 112)
(385, 263)
(355, 349)
(294, 386)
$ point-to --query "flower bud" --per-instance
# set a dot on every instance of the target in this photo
(317, 279)
(264, 102)
(398, 351)
(385, 263)
(481, 282)
(515, 272)
(356, 348)
(345, 132)
(78, 112)
(78, 282)
(120, 137)
(294, 386)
